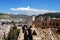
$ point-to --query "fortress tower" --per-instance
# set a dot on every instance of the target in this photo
(33, 18)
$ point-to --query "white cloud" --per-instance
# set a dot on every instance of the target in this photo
(31, 10)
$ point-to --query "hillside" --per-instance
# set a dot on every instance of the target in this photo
(56, 15)
(11, 16)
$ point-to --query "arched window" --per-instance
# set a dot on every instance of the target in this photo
(53, 23)
(50, 23)
(56, 24)
(45, 23)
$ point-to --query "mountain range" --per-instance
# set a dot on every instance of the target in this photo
(11, 16)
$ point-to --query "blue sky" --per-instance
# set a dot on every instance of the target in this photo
(31, 5)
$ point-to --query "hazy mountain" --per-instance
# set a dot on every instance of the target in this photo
(11, 16)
